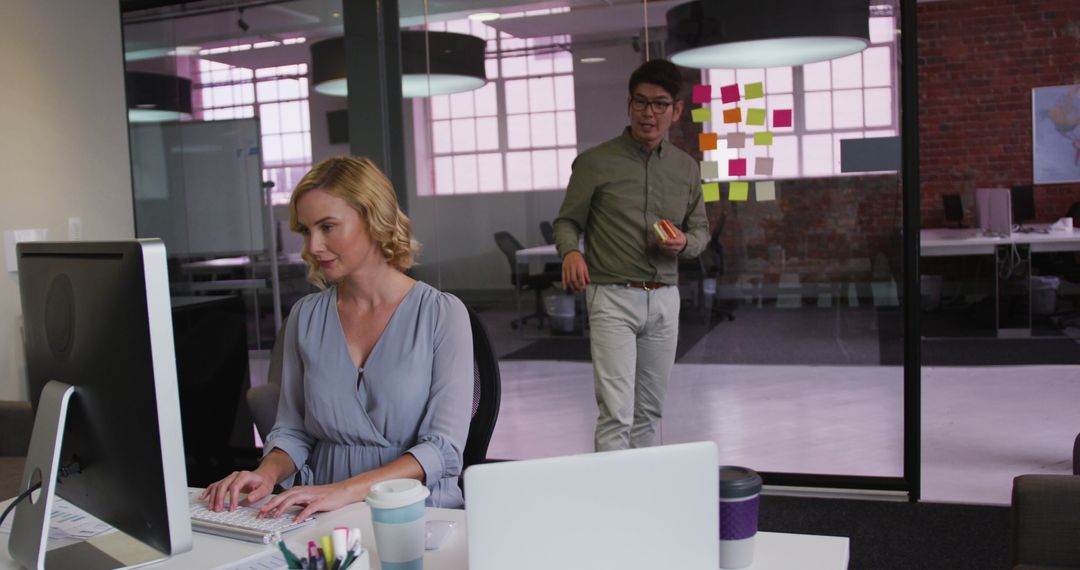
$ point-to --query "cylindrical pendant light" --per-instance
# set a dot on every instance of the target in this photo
(155, 97)
(457, 64)
(765, 33)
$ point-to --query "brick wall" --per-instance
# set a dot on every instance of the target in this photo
(978, 61)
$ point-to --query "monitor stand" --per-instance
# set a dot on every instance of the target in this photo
(30, 531)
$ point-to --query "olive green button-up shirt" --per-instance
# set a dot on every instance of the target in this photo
(616, 192)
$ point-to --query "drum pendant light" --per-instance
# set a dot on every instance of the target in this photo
(457, 64)
(155, 97)
(765, 33)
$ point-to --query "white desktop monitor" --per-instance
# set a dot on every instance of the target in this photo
(993, 211)
(637, 509)
(102, 372)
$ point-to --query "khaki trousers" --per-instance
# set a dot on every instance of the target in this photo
(633, 333)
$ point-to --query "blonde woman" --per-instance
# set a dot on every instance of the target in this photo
(377, 371)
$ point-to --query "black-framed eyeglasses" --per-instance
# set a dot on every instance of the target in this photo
(659, 106)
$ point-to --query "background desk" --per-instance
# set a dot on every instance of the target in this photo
(940, 242)
(774, 551)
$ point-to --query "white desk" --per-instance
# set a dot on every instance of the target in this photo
(941, 242)
(773, 551)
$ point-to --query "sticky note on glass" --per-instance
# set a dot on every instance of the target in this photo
(763, 138)
(707, 141)
(736, 167)
(738, 191)
(765, 191)
(736, 140)
(781, 118)
(755, 116)
(732, 115)
(700, 115)
(729, 93)
(702, 94)
(710, 169)
(754, 90)
(710, 191)
(763, 166)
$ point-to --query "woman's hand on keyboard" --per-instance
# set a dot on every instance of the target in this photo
(314, 499)
(257, 485)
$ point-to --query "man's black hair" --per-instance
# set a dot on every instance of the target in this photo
(658, 72)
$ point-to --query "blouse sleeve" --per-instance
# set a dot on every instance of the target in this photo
(445, 425)
(289, 434)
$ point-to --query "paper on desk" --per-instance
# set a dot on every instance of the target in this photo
(269, 560)
(69, 524)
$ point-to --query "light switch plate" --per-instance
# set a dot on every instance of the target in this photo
(12, 237)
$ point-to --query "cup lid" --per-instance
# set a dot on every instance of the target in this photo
(396, 493)
(738, 482)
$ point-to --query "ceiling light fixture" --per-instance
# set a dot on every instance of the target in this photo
(594, 59)
(485, 16)
(155, 98)
(457, 64)
(765, 33)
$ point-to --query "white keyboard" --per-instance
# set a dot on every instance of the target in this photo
(242, 523)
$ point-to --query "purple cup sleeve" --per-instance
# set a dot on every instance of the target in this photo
(739, 519)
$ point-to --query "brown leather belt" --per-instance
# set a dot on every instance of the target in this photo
(646, 285)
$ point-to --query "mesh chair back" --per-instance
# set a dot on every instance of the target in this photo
(548, 232)
(509, 245)
(487, 394)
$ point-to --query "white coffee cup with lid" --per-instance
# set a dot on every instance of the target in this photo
(399, 521)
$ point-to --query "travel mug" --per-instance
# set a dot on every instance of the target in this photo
(398, 517)
(740, 492)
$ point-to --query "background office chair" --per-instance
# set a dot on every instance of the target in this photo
(548, 232)
(509, 245)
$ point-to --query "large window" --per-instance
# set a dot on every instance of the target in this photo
(846, 98)
(518, 132)
(278, 95)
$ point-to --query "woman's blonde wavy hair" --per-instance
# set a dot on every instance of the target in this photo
(360, 183)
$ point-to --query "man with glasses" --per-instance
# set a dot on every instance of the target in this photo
(618, 190)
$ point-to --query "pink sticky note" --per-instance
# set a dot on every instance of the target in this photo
(702, 93)
(736, 167)
(781, 118)
(729, 93)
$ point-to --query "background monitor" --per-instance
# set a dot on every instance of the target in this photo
(1023, 204)
(97, 317)
(954, 209)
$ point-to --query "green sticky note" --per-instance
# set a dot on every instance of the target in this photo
(700, 115)
(738, 191)
(711, 191)
(763, 138)
(754, 91)
(755, 116)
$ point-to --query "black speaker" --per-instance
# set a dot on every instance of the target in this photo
(338, 126)
(954, 209)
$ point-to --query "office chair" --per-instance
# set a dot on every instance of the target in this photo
(262, 400)
(509, 245)
(548, 232)
(487, 396)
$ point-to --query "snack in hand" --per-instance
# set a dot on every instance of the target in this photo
(665, 229)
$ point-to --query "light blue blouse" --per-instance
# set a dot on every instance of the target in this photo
(413, 395)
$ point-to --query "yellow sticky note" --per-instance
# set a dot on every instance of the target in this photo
(707, 141)
(738, 191)
(755, 116)
(754, 91)
(700, 115)
(763, 138)
(710, 191)
(766, 191)
(710, 170)
(735, 115)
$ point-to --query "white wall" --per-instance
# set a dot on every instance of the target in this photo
(64, 149)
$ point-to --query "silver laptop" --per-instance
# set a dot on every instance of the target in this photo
(643, 508)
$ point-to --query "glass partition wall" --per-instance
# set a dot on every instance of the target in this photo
(791, 352)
